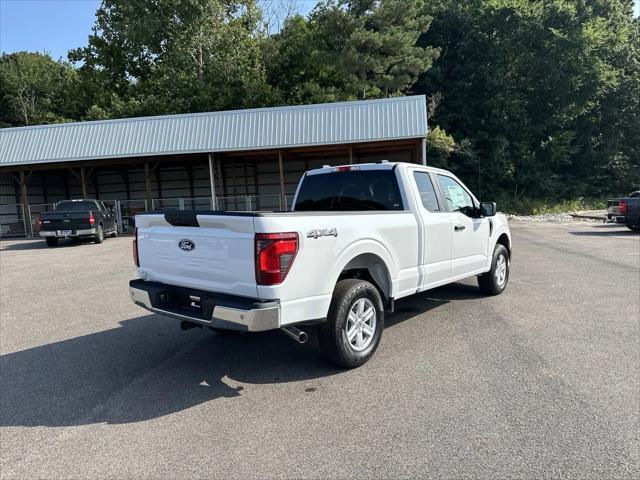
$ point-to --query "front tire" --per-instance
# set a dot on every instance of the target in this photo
(51, 241)
(354, 326)
(495, 280)
(99, 237)
(634, 228)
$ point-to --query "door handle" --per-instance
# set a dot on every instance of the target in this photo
(459, 228)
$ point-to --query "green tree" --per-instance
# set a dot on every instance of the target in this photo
(34, 89)
(351, 49)
(611, 132)
(177, 55)
(519, 80)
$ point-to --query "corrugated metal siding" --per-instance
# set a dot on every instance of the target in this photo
(281, 127)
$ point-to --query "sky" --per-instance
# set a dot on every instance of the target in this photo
(53, 26)
(57, 26)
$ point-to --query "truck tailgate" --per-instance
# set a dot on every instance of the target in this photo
(65, 220)
(216, 255)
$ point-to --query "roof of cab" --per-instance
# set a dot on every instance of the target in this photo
(380, 165)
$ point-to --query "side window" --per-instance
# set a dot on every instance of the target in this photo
(456, 197)
(427, 192)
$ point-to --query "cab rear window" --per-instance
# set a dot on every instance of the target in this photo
(75, 206)
(350, 191)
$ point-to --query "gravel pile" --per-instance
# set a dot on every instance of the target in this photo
(550, 217)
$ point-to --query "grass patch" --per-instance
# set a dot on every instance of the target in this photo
(542, 207)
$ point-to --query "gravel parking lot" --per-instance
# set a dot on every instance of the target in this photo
(542, 381)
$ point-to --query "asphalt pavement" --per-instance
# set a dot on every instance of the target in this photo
(541, 381)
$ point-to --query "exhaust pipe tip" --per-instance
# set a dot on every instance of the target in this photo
(295, 333)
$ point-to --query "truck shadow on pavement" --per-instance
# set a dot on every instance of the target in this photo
(606, 230)
(148, 368)
(23, 245)
(41, 244)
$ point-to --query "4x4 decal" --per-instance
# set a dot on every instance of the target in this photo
(323, 232)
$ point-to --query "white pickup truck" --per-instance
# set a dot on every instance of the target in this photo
(358, 238)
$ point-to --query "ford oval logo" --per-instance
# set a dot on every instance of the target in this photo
(186, 245)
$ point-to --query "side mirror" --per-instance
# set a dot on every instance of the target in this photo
(488, 209)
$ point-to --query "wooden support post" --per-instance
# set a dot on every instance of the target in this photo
(350, 155)
(94, 179)
(283, 201)
(83, 182)
(256, 185)
(220, 167)
(234, 183)
(212, 182)
(44, 188)
(24, 199)
(190, 176)
(158, 180)
(147, 185)
(16, 188)
(424, 151)
(246, 178)
(66, 186)
(124, 175)
(248, 202)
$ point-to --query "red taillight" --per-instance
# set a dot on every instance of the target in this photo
(275, 253)
(39, 222)
(623, 206)
(92, 220)
(136, 260)
(347, 168)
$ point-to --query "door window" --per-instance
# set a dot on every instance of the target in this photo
(427, 192)
(457, 199)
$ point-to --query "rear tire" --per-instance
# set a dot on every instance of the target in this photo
(99, 237)
(354, 326)
(495, 280)
(51, 241)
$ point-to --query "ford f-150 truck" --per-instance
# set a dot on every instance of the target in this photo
(625, 210)
(358, 238)
(83, 218)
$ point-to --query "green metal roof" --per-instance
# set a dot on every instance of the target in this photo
(254, 129)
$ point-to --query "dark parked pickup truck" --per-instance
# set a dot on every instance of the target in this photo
(75, 219)
(625, 210)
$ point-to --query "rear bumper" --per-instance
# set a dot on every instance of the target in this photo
(206, 308)
(74, 233)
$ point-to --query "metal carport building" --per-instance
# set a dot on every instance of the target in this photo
(236, 160)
